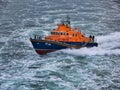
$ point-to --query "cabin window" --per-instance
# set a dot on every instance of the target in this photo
(73, 35)
(61, 33)
(52, 32)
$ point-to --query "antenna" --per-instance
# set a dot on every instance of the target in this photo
(68, 20)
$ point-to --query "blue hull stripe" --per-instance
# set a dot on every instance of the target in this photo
(54, 46)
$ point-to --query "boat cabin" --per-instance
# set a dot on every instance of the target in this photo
(64, 33)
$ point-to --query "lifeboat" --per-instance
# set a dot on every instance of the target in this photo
(64, 36)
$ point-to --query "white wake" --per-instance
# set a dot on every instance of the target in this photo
(107, 45)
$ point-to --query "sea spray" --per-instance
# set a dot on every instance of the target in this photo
(107, 45)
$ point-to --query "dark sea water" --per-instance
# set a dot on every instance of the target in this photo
(95, 68)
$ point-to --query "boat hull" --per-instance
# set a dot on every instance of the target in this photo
(43, 47)
(43, 51)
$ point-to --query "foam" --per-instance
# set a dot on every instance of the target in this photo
(108, 45)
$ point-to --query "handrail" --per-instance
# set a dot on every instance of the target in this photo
(39, 37)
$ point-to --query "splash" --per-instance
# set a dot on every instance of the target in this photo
(108, 45)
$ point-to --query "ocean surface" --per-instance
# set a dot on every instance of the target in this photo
(96, 68)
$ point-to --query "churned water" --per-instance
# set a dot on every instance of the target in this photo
(95, 68)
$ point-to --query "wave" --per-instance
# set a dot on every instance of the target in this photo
(108, 45)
